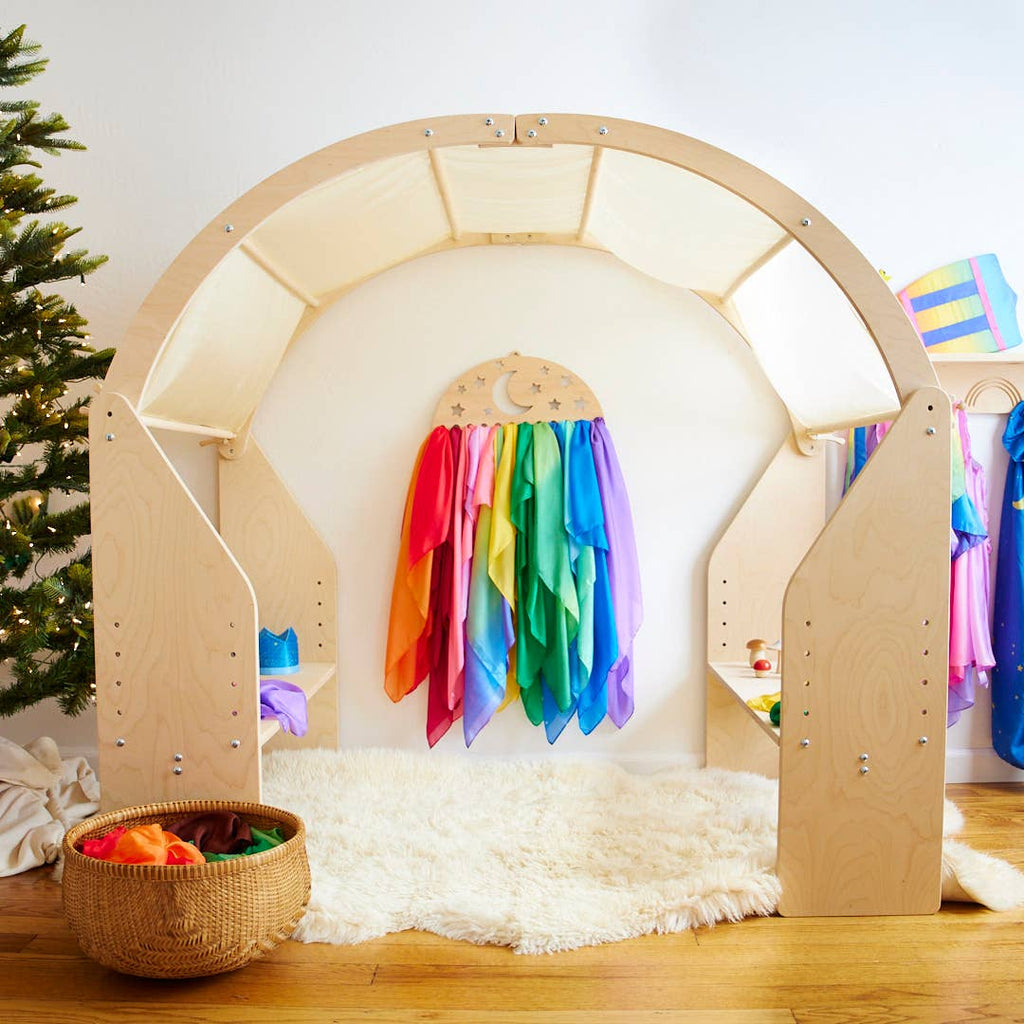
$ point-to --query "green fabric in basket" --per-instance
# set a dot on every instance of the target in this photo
(261, 841)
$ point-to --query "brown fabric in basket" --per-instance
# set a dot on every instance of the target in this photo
(213, 831)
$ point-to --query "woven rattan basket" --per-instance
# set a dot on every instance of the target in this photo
(185, 921)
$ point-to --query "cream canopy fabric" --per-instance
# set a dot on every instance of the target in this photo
(659, 218)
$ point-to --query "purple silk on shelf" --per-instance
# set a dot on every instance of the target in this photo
(287, 703)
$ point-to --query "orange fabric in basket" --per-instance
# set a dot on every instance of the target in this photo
(144, 844)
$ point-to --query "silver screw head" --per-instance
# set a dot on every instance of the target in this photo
(805, 221)
(864, 769)
(930, 431)
(489, 121)
(923, 740)
(110, 437)
(602, 130)
(863, 757)
(542, 121)
(119, 742)
(178, 757)
(500, 133)
(236, 744)
(532, 133)
(177, 769)
(805, 743)
(228, 228)
(428, 132)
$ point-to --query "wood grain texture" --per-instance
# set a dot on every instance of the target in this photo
(754, 559)
(176, 657)
(543, 390)
(961, 964)
(865, 644)
(292, 573)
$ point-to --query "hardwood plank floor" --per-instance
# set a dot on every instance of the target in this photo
(962, 964)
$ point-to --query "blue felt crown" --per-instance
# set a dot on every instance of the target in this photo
(279, 653)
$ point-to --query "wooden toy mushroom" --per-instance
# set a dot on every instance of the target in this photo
(758, 650)
(762, 668)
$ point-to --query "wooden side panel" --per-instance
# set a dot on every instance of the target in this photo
(864, 666)
(292, 571)
(734, 739)
(755, 558)
(176, 656)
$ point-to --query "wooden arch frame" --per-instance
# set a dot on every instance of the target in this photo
(177, 598)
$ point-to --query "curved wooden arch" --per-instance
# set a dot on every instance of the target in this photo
(894, 337)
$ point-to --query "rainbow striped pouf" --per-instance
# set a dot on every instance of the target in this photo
(965, 306)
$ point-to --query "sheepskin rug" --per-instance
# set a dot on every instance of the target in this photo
(540, 856)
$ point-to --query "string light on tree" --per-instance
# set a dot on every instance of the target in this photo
(47, 640)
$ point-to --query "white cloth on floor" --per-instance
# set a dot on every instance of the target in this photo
(41, 797)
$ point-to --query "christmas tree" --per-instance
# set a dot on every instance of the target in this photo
(46, 625)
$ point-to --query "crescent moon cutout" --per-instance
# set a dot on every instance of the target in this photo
(503, 400)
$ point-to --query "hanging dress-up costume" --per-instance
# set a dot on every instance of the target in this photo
(970, 644)
(1008, 606)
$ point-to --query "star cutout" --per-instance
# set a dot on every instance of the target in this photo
(479, 382)
(535, 388)
(457, 410)
(488, 412)
(555, 404)
(566, 381)
(581, 403)
(461, 389)
(545, 370)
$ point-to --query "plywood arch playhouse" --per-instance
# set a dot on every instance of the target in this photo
(860, 601)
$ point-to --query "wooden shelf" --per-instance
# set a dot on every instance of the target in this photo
(311, 677)
(1008, 355)
(739, 679)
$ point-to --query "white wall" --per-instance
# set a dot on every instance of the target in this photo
(897, 119)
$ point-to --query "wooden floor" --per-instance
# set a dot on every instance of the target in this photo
(962, 964)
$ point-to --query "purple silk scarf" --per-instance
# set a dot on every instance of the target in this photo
(287, 703)
(623, 570)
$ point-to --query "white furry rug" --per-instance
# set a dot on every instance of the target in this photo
(540, 856)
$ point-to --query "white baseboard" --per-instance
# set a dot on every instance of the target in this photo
(979, 764)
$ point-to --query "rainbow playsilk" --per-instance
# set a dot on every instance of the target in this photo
(965, 306)
(517, 575)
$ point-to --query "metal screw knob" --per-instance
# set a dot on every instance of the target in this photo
(178, 757)
(923, 740)
(110, 437)
(930, 431)
(602, 130)
(489, 121)
(805, 221)
(532, 133)
(863, 757)
(428, 132)
(805, 743)
(500, 133)
(177, 769)
(119, 742)
(864, 769)
(236, 744)
(542, 121)
(228, 228)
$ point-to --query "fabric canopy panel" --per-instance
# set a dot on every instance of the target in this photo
(224, 351)
(667, 222)
(503, 190)
(676, 226)
(812, 345)
(371, 218)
